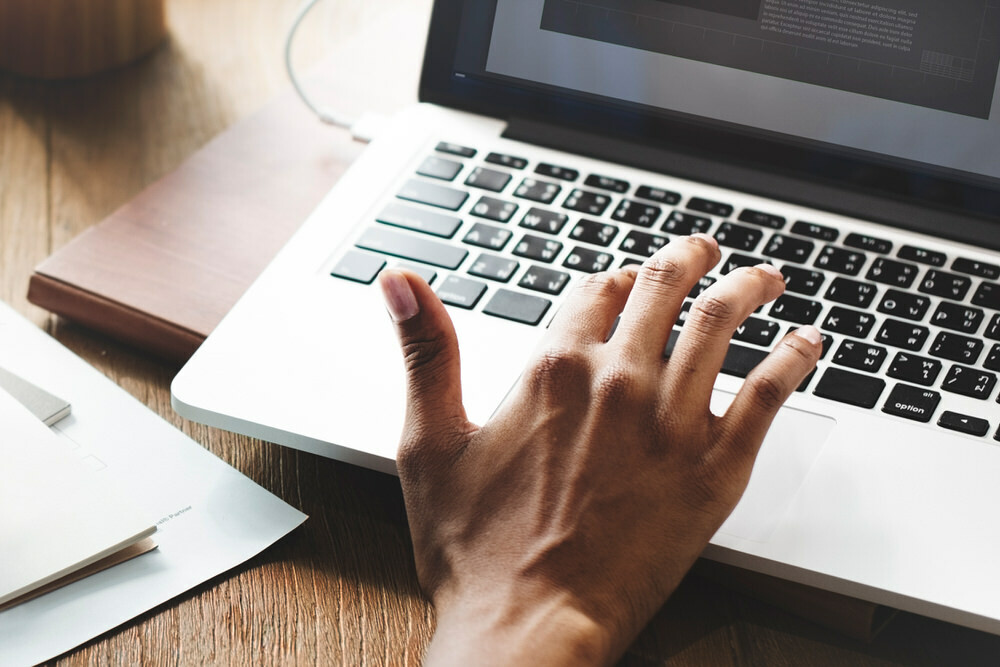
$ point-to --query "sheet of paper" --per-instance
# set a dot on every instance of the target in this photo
(210, 517)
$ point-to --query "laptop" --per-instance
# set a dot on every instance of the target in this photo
(854, 146)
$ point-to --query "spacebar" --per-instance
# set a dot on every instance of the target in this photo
(401, 244)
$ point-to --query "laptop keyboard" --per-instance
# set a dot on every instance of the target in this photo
(907, 330)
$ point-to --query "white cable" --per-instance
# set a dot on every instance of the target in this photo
(325, 115)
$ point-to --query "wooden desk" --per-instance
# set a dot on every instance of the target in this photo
(342, 588)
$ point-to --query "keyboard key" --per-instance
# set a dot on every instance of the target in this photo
(455, 149)
(683, 315)
(409, 246)
(912, 403)
(461, 292)
(538, 248)
(591, 231)
(902, 334)
(493, 267)
(425, 272)
(419, 220)
(945, 285)
(553, 171)
(436, 167)
(544, 280)
(635, 213)
(846, 387)
(969, 382)
(921, 255)
(709, 207)
(741, 360)
(851, 292)
(865, 242)
(789, 248)
(992, 361)
(584, 201)
(953, 421)
(987, 296)
(685, 224)
(641, 243)
(840, 260)
(975, 268)
(763, 219)
(703, 284)
(433, 195)
(793, 309)
(956, 348)
(891, 272)
(506, 160)
(860, 356)
(587, 260)
(488, 179)
(957, 317)
(993, 328)
(738, 236)
(905, 305)
(545, 221)
(359, 267)
(736, 261)
(606, 183)
(540, 191)
(814, 231)
(849, 322)
(803, 281)
(494, 209)
(757, 331)
(488, 236)
(518, 307)
(911, 368)
(658, 195)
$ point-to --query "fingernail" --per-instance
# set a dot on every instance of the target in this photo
(810, 333)
(706, 237)
(773, 270)
(398, 295)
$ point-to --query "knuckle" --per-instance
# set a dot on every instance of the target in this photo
(419, 354)
(665, 271)
(713, 313)
(557, 369)
(617, 386)
(767, 391)
(601, 285)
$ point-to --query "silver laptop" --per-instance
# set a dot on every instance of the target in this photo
(854, 146)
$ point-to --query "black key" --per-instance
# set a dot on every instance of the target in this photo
(956, 348)
(493, 267)
(587, 260)
(641, 243)
(738, 236)
(433, 195)
(518, 307)
(860, 356)
(921, 255)
(969, 382)
(494, 209)
(436, 167)
(814, 231)
(685, 224)
(409, 246)
(954, 421)
(757, 331)
(544, 280)
(740, 360)
(553, 171)
(992, 361)
(827, 342)
(703, 284)
(631, 261)
(419, 220)
(851, 292)
(902, 334)
(851, 388)
(911, 368)
(793, 309)
(789, 248)
(545, 221)
(957, 317)
(607, 183)
(849, 322)
(488, 236)
(865, 242)
(709, 207)
(584, 201)
(891, 272)
(358, 266)
(591, 231)
(975, 268)
(538, 248)
(912, 403)
(993, 328)
(540, 191)
(945, 285)
(455, 149)
(658, 195)
(905, 305)
(636, 213)
(461, 292)
(987, 296)
(507, 160)
(488, 179)
(763, 219)
(425, 272)
(803, 281)
(736, 260)
(848, 262)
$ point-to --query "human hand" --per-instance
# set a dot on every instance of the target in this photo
(553, 533)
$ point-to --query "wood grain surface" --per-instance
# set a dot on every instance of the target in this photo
(341, 589)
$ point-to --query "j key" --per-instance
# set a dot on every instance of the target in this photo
(921, 255)
(419, 220)
(993, 328)
(902, 334)
(433, 195)
(814, 231)
(945, 285)
(488, 179)
(789, 248)
(544, 280)
(992, 361)
(851, 388)
(848, 262)
(957, 317)
(803, 281)
(641, 243)
(494, 209)
(437, 167)
(545, 221)
(685, 224)
(912, 403)
(518, 307)
(757, 331)
(793, 309)
(851, 292)
(709, 207)
(411, 246)
(359, 267)
(591, 231)
(763, 219)
(587, 260)
(849, 322)
(956, 348)
(738, 236)
(905, 305)
(891, 272)
(461, 292)
(740, 360)
(635, 213)
(974, 268)
(606, 183)
(969, 382)
(585, 201)
(495, 268)
(507, 160)
(562, 173)
(540, 191)
(865, 242)
(703, 284)
(736, 260)
(987, 296)
(911, 368)
(954, 421)
(488, 236)
(827, 342)
(538, 248)
(860, 356)
(455, 149)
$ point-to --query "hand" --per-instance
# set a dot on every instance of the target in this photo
(553, 533)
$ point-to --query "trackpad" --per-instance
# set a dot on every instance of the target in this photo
(792, 444)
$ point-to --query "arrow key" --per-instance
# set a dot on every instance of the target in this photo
(954, 421)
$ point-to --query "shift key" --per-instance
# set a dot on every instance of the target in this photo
(433, 195)
(408, 246)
